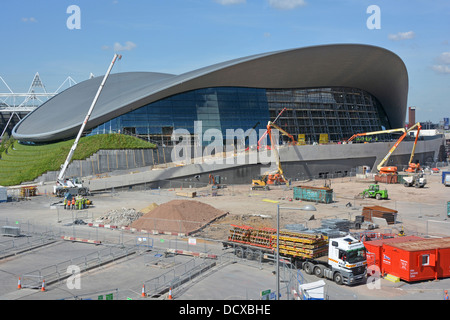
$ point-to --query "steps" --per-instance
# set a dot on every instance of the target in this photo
(392, 278)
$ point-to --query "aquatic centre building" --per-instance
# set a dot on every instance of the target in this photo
(336, 90)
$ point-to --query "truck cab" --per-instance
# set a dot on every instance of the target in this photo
(347, 259)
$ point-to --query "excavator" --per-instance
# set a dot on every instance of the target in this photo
(272, 177)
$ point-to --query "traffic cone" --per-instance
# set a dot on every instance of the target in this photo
(170, 294)
(43, 286)
(143, 291)
(19, 284)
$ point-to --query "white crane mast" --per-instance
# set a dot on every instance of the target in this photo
(75, 144)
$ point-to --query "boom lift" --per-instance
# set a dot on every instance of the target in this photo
(265, 133)
(272, 178)
(414, 167)
(75, 186)
(380, 166)
(374, 132)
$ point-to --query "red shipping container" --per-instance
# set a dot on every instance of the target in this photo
(418, 260)
(374, 248)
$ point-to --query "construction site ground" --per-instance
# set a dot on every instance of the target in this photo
(420, 212)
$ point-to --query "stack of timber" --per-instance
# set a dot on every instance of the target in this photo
(299, 244)
(255, 237)
(379, 212)
(306, 245)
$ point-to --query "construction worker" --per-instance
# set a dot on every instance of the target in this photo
(73, 203)
(446, 295)
(65, 203)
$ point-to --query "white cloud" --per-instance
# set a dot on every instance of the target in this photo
(230, 2)
(127, 47)
(286, 4)
(31, 19)
(444, 58)
(441, 68)
(443, 65)
(402, 36)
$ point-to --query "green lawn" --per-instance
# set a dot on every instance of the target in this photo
(23, 163)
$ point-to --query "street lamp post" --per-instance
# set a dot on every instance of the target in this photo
(278, 246)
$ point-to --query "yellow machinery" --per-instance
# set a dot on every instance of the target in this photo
(323, 139)
(277, 177)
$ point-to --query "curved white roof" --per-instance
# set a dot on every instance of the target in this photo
(373, 69)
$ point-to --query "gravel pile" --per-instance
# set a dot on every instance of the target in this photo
(122, 217)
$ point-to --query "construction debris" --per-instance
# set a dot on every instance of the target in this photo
(336, 224)
(122, 217)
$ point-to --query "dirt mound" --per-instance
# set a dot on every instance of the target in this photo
(178, 216)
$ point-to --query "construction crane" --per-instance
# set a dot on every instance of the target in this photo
(272, 177)
(63, 185)
(380, 167)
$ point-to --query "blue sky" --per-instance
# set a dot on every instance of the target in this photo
(177, 36)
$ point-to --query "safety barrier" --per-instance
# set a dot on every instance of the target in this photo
(58, 272)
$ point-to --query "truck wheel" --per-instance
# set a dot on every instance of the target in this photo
(338, 278)
(318, 271)
(308, 267)
(249, 254)
(378, 196)
(239, 252)
(406, 184)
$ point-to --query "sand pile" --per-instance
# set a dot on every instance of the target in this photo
(178, 216)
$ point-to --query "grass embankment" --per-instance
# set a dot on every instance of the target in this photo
(21, 163)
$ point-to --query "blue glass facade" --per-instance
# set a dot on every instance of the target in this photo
(338, 112)
(219, 108)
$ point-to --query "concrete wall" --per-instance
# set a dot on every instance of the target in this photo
(299, 162)
(107, 161)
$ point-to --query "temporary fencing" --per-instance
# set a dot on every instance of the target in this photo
(58, 272)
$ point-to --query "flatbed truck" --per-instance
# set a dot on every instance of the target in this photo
(342, 260)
